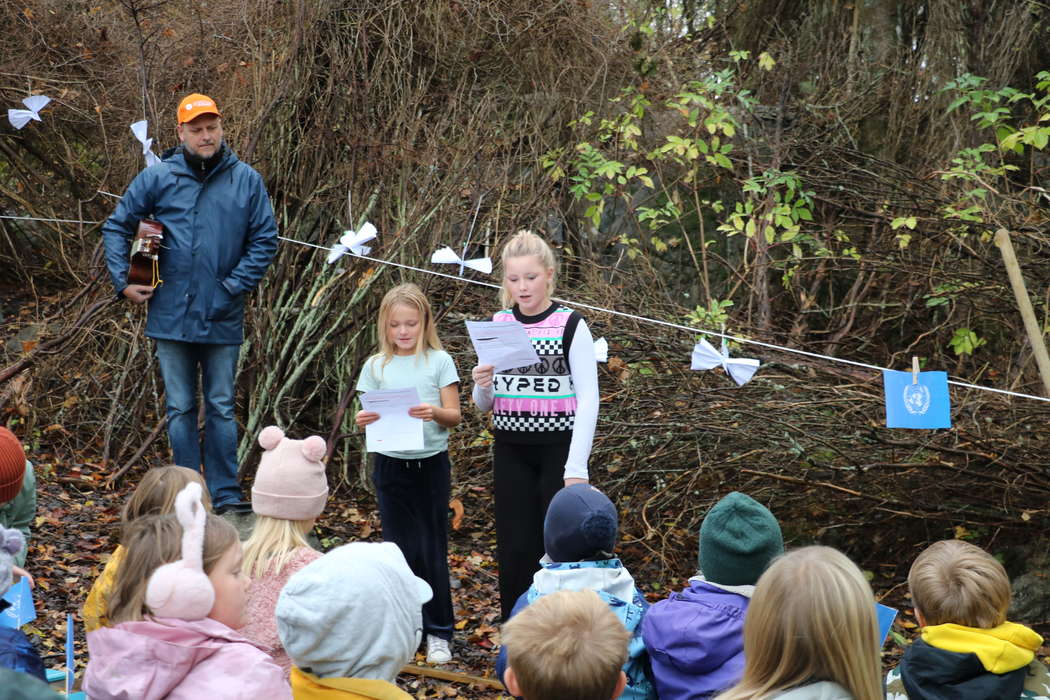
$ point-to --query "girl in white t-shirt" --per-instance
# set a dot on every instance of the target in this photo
(412, 486)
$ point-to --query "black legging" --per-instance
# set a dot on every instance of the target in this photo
(526, 478)
(413, 505)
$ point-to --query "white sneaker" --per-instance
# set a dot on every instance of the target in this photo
(437, 650)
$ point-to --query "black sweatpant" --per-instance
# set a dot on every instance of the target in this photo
(526, 478)
(413, 505)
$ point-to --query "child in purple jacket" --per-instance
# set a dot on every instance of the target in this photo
(695, 638)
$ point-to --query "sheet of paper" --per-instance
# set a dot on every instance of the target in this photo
(502, 344)
(886, 615)
(395, 430)
(20, 596)
(921, 404)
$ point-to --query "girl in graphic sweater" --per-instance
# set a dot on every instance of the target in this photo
(543, 415)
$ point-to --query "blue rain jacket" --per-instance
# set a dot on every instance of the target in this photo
(219, 238)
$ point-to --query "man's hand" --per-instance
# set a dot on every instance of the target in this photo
(138, 293)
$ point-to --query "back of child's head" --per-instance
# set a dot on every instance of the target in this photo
(355, 612)
(411, 296)
(581, 524)
(524, 243)
(812, 617)
(289, 493)
(957, 582)
(156, 492)
(151, 542)
(11, 543)
(566, 645)
(739, 537)
(12, 465)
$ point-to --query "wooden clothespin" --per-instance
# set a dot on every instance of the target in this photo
(914, 370)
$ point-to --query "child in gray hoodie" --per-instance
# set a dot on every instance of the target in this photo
(350, 620)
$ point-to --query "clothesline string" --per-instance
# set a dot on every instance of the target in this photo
(613, 312)
(669, 324)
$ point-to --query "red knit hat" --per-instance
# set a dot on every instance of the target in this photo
(12, 465)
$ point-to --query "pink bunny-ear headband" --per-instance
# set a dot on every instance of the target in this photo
(181, 589)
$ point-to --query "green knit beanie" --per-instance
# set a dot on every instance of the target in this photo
(738, 539)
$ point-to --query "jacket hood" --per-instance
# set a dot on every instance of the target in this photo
(306, 686)
(150, 658)
(606, 576)
(976, 664)
(699, 635)
(821, 690)
(1001, 649)
(746, 590)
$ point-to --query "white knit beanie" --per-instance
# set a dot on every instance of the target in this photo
(290, 483)
(357, 612)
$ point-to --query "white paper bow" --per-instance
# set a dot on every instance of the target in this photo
(353, 242)
(601, 350)
(447, 255)
(21, 117)
(706, 357)
(140, 129)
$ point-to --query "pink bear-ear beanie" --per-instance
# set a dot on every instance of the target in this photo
(290, 483)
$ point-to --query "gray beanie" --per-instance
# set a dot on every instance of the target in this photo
(738, 539)
(356, 612)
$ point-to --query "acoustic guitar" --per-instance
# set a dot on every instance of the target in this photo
(145, 252)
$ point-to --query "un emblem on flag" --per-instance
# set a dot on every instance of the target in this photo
(916, 399)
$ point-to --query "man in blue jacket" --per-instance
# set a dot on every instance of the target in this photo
(219, 238)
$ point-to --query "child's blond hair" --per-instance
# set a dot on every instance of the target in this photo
(413, 297)
(156, 492)
(151, 541)
(812, 617)
(521, 244)
(272, 543)
(566, 645)
(955, 581)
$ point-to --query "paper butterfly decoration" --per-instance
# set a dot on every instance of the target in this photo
(21, 117)
(140, 130)
(447, 255)
(601, 350)
(353, 242)
(706, 357)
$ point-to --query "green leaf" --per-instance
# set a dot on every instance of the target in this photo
(958, 102)
(765, 61)
(965, 341)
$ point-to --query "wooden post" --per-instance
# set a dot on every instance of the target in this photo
(1031, 325)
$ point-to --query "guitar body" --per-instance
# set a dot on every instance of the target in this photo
(145, 251)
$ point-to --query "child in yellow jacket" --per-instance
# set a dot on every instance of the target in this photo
(155, 495)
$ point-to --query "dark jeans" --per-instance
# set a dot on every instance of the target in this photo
(413, 505)
(179, 363)
(526, 479)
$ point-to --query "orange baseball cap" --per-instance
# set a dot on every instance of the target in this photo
(192, 106)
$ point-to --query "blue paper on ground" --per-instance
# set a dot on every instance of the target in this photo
(917, 405)
(886, 617)
(20, 596)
